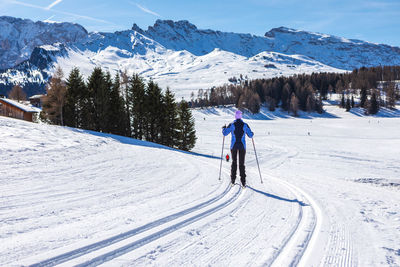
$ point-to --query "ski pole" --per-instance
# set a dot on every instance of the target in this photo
(255, 152)
(222, 155)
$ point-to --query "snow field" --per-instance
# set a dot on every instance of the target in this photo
(83, 198)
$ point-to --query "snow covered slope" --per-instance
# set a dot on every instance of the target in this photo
(18, 37)
(185, 58)
(330, 195)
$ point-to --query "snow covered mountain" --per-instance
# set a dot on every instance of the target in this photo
(178, 55)
(19, 37)
(330, 50)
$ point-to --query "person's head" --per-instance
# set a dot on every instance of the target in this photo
(238, 115)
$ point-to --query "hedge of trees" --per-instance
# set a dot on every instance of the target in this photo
(306, 92)
(120, 105)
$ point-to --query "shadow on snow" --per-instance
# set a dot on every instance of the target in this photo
(136, 142)
(383, 113)
(301, 203)
(264, 113)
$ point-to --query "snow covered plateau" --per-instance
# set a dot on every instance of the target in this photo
(175, 54)
(330, 197)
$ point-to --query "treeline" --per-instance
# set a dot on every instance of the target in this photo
(120, 105)
(306, 91)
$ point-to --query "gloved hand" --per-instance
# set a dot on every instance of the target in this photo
(224, 127)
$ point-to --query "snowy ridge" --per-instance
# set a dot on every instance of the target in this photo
(185, 58)
(18, 37)
(330, 50)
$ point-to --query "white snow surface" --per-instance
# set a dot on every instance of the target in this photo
(330, 195)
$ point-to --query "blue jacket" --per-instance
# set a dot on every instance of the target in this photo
(238, 129)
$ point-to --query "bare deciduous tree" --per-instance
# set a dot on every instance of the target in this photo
(54, 101)
(17, 93)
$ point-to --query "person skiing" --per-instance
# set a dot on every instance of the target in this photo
(238, 129)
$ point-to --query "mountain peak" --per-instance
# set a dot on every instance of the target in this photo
(136, 28)
(174, 24)
(281, 29)
(13, 19)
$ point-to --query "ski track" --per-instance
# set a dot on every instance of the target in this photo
(152, 237)
(301, 236)
(297, 244)
(340, 252)
(201, 239)
(147, 227)
(304, 233)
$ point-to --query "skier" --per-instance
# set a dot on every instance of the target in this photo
(238, 129)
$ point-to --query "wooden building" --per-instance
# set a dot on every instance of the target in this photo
(36, 100)
(14, 109)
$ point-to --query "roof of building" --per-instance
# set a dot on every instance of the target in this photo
(21, 106)
(36, 96)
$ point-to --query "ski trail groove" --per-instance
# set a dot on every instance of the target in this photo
(141, 242)
(340, 251)
(304, 234)
(112, 240)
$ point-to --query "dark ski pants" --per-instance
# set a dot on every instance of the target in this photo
(242, 154)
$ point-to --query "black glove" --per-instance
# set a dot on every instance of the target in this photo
(224, 127)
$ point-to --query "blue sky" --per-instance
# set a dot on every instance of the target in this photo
(370, 20)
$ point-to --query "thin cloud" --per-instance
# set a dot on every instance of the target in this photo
(59, 12)
(144, 9)
(56, 2)
(50, 19)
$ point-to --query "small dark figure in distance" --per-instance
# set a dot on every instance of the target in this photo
(238, 129)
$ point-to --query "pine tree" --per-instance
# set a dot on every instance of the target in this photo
(53, 104)
(17, 93)
(363, 97)
(170, 128)
(89, 116)
(126, 92)
(348, 105)
(74, 99)
(104, 108)
(342, 101)
(373, 106)
(116, 114)
(137, 106)
(99, 100)
(187, 132)
(153, 112)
